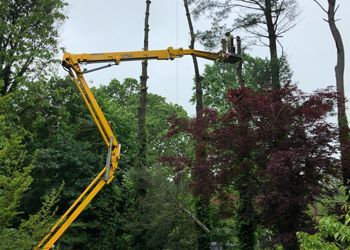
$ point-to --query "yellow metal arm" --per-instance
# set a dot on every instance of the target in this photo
(103, 178)
(71, 62)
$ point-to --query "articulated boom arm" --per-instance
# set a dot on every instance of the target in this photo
(71, 62)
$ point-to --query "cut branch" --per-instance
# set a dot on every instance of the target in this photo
(194, 218)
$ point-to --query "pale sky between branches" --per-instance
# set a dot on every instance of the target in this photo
(105, 26)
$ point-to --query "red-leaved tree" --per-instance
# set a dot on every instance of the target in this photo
(276, 148)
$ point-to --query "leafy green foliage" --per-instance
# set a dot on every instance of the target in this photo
(120, 103)
(333, 230)
(220, 77)
(163, 219)
(14, 172)
(62, 139)
(12, 188)
(29, 39)
(121, 109)
(30, 231)
(71, 150)
(15, 180)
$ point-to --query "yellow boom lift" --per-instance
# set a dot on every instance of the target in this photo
(71, 63)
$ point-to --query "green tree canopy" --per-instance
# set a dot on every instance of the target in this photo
(28, 39)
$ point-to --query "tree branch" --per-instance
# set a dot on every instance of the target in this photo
(336, 9)
(254, 2)
(321, 6)
(278, 14)
(194, 218)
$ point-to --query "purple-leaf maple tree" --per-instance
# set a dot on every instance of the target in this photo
(275, 147)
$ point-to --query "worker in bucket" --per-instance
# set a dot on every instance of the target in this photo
(230, 43)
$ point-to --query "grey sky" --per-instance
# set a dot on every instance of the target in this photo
(106, 26)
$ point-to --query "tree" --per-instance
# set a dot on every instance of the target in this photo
(220, 77)
(275, 179)
(29, 231)
(62, 145)
(264, 19)
(344, 131)
(142, 132)
(200, 150)
(60, 141)
(120, 102)
(14, 174)
(16, 177)
(142, 154)
(28, 39)
(168, 226)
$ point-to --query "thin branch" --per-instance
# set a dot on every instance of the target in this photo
(336, 9)
(285, 20)
(262, 42)
(282, 48)
(279, 14)
(321, 6)
(262, 27)
(284, 30)
(194, 218)
(197, 5)
(254, 2)
(243, 6)
(256, 33)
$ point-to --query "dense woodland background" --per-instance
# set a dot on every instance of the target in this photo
(259, 166)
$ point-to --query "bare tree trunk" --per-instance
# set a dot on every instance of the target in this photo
(201, 205)
(344, 136)
(143, 97)
(198, 77)
(239, 67)
(141, 162)
(274, 61)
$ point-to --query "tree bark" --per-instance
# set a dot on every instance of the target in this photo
(246, 225)
(197, 76)
(201, 205)
(239, 67)
(142, 138)
(344, 136)
(141, 161)
(274, 61)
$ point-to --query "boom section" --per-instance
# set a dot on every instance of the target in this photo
(73, 60)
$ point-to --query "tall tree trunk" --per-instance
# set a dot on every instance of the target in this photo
(245, 212)
(141, 161)
(344, 135)
(198, 77)
(142, 138)
(289, 239)
(239, 67)
(274, 61)
(246, 225)
(203, 239)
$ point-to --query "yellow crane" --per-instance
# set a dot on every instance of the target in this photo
(71, 63)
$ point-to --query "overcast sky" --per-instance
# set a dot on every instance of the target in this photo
(107, 26)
